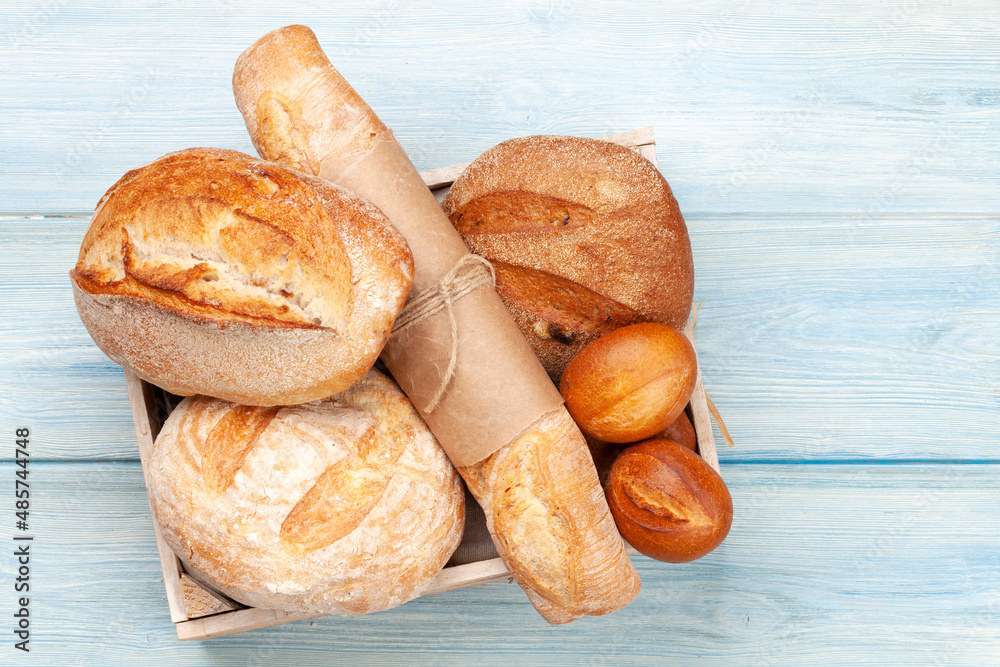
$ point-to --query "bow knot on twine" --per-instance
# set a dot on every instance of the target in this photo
(469, 273)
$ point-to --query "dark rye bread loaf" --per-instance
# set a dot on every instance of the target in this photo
(585, 236)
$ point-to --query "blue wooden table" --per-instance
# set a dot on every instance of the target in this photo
(838, 165)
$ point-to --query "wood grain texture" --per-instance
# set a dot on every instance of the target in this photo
(828, 564)
(840, 339)
(54, 379)
(852, 108)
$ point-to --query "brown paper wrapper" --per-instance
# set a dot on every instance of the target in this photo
(498, 388)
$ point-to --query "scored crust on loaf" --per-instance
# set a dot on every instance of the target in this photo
(212, 272)
(586, 235)
(546, 510)
(345, 506)
(303, 129)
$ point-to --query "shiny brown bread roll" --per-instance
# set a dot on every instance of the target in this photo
(682, 432)
(668, 502)
(213, 272)
(539, 491)
(345, 505)
(631, 383)
(585, 236)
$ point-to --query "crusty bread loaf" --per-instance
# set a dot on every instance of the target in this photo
(540, 492)
(212, 272)
(585, 236)
(345, 505)
(545, 509)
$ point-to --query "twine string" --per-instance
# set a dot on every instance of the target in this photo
(469, 273)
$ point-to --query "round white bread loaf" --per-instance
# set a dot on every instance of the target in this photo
(212, 272)
(346, 505)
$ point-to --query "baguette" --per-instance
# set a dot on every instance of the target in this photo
(543, 502)
(550, 524)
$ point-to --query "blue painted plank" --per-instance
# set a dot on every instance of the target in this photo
(838, 338)
(54, 380)
(889, 565)
(852, 108)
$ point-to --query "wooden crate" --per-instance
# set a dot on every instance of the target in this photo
(201, 613)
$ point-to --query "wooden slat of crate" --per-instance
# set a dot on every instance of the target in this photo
(201, 613)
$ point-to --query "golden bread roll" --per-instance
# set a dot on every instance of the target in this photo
(213, 272)
(585, 236)
(631, 383)
(681, 431)
(346, 505)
